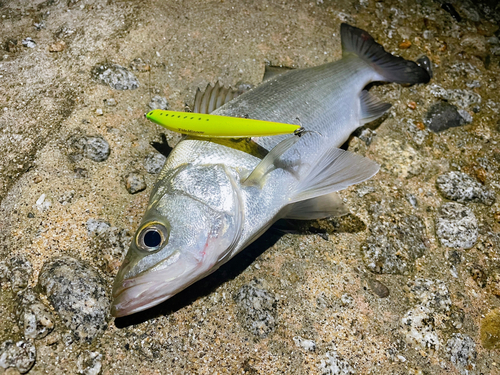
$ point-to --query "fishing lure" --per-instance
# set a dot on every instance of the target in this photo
(204, 125)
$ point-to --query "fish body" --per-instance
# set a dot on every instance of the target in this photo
(214, 197)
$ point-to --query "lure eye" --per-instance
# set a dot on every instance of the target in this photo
(152, 237)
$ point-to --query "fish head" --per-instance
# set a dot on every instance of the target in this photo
(191, 227)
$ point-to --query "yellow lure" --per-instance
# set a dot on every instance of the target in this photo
(202, 125)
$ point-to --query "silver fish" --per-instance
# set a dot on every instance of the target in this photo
(214, 197)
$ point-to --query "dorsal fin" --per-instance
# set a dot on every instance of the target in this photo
(213, 97)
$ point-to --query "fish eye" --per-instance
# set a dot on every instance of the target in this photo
(152, 237)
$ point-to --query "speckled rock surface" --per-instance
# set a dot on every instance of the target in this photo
(78, 295)
(398, 286)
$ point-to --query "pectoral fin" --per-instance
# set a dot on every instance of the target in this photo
(317, 208)
(371, 107)
(213, 97)
(337, 170)
(266, 164)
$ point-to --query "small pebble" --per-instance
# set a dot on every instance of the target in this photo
(257, 308)
(20, 271)
(134, 182)
(89, 363)
(111, 102)
(154, 162)
(95, 148)
(412, 105)
(139, 65)
(116, 76)
(35, 319)
(99, 112)
(28, 42)
(158, 102)
(378, 288)
(462, 352)
(308, 345)
(20, 355)
(405, 44)
(57, 46)
(37, 179)
(456, 226)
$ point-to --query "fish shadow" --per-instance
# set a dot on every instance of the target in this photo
(208, 284)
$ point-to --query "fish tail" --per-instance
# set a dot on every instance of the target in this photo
(390, 68)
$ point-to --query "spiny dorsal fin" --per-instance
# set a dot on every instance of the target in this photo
(390, 68)
(213, 97)
(371, 107)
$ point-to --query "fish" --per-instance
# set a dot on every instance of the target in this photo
(214, 197)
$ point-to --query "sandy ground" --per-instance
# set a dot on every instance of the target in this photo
(324, 307)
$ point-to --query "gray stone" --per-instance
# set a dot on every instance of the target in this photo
(154, 162)
(462, 352)
(134, 182)
(78, 295)
(20, 355)
(158, 102)
(456, 226)
(95, 148)
(20, 271)
(34, 318)
(335, 365)
(378, 288)
(460, 187)
(442, 116)
(257, 308)
(89, 363)
(115, 76)
(393, 245)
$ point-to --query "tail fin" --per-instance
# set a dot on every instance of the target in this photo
(391, 68)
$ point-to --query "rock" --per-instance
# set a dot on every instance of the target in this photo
(4, 272)
(490, 330)
(78, 295)
(20, 271)
(111, 102)
(334, 365)
(97, 227)
(95, 148)
(116, 76)
(432, 294)
(134, 182)
(89, 363)
(158, 102)
(456, 226)
(34, 318)
(462, 188)
(153, 162)
(418, 328)
(308, 345)
(21, 355)
(462, 351)
(393, 245)
(378, 288)
(462, 98)
(28, 42)
(257, 308)
(397, 158)
(57, 46)
(442, 116)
